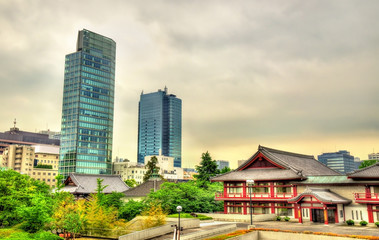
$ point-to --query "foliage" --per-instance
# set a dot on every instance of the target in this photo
(100, 188)
(207, 168)
(131, 209)
(377, 224)
(187, 215)
(278, 218)
(190, 195)
(363, 223)
(18, 234)
(286, 218)
(154, 215)
(151, 168)
(113, 200)
(17, 190)
(367, 163)
(131, 182)
(36, 214)
(350, 222)
(73, 223)
(46, 166)
(59, 180)
(225, 170)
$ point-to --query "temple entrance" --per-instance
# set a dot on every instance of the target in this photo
(318, 216)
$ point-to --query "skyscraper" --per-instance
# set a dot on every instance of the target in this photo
(340, 161)
(88, 99)
(160, 126)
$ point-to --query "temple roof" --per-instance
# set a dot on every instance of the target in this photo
(78, 183)
(367, 172)
(145, 188)
(323, 195)
(290, 166)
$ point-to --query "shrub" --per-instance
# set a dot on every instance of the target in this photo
(286, 218)
(203, 217)
(278, 218)
(350, 222)
(377, 224)
(363, 223)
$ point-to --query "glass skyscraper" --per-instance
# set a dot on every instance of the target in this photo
(340, 161)
(160, 126)
(88, 99)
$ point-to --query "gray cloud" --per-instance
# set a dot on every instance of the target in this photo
(248, 72)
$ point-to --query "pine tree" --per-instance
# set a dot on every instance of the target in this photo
(151, 168)
(207, 168)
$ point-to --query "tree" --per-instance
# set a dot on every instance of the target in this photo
(59, 180)
(151, 168)
(113, 200)
(367, 163)
(16, 191)
(100, 188)
(207, 168)
(131, 209)
(131, 182)
(190, 195)
(225, 170)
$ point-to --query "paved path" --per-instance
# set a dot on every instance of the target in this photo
(316, 227)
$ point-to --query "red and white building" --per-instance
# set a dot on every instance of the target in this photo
(299, 186)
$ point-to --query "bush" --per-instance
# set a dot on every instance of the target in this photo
(278, 218)
(377, 224)
(287, 219)
(203, 217)
(363, 223)
(350, 222)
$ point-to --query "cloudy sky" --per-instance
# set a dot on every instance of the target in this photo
(299, 75)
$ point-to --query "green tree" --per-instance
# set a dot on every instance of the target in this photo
(73, 223)
(59, 180)
(366, 163)
(100, 188)
(113, 200)
(225, 170)
(190, 195)
(131, 209)
(36, 214)
(16, 191)
(206, 169)
(131, 182)
(151, 168)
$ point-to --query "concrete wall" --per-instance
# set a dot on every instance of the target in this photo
(158, 231)
(209, 233)
(265, 235)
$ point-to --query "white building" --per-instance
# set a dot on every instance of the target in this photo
(166, 165)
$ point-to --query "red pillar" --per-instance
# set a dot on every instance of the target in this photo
(245, 208)
(272, 207)
(294, 190)
(370, 213)
(295, 209)
(272, 191)
(244, 189)
(326, 215)
(368, 192)
(225, 208)
(299, 214)
(225, 190)
(310, 215)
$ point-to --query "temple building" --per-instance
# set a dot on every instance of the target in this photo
(300, 187)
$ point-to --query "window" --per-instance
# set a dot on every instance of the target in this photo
(341, 214)
(352, 214)
(361, 215)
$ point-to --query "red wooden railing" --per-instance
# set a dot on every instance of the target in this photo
(220, 195)
(366, 196)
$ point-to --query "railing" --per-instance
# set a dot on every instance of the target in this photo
(220, 195)
(366, 196)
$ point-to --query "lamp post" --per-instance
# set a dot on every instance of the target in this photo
(179, 209)
(250, 184)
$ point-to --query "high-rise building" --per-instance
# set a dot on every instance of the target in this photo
(160, 126)
(340, 161)
(221, 164)
(373, 156)
(88, 100)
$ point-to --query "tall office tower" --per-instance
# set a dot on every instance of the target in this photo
(160, 126)
(87, 113)
(340, 161)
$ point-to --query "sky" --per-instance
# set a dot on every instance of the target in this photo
(299, 76)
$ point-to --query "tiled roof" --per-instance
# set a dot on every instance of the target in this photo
(143, 189)
(295, 166)
(367, 172)
(87, 183)
(323, 195)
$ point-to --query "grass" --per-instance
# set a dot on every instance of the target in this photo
(187, 215)
(17, 234)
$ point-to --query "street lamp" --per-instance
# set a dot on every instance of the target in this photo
(250, 184)
(178, 209)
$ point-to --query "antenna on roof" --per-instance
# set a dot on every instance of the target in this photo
(165, 89)
(14, 123)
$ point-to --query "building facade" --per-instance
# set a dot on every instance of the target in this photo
(340, 161)
(88, 104)
(221, 164)
(373, 156)
(129, 170)
(19, 158)
(300, 187)
(160, 126)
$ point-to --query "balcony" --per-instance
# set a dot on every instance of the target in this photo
(366, 197)
(254, 196)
